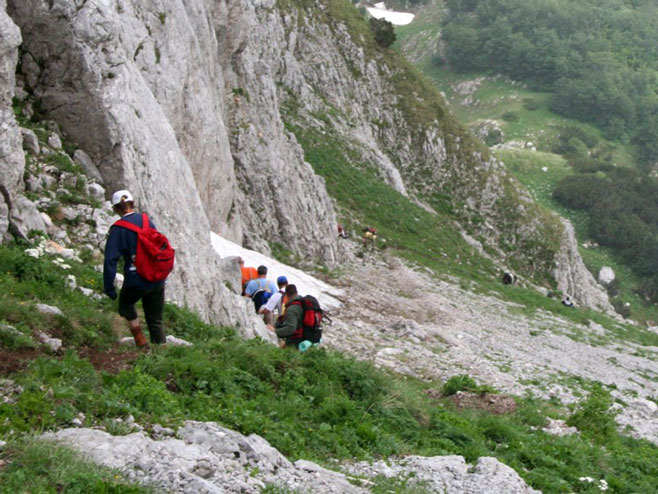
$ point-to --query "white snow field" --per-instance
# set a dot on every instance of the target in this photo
(306, 284)
(379, 11)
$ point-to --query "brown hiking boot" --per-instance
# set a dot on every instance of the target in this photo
(140, 341)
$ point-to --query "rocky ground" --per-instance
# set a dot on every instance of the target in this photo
(206, 458)
(407, 320)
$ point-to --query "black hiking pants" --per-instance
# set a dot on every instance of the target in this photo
(153, 305)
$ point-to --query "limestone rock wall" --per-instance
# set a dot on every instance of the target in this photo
(88, 80)
(11, 154)
(140, 86)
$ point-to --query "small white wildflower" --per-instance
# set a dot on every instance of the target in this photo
(603, 485)
(33, 253)
(586, 479)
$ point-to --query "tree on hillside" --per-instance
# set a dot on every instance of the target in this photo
(384, 32)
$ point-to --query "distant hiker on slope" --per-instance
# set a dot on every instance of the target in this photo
(509, 278)
(248, 273)
(260, 289)
(276, 301)
(145, 270)
(369, 237)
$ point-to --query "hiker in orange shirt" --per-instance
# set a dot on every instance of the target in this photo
(248, 273)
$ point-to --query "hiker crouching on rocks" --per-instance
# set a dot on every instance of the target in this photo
(276, 301)
(122, 242)
(292, 319)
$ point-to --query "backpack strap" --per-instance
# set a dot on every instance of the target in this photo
(127, 225)
(131, 226)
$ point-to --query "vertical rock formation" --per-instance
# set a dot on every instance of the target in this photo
(573, 277)
(140, 87)
(12, 161)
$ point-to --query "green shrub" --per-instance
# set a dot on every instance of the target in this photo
(531, 104)
(383, 31)
(594, 416)
(458, 383)
(510, 116)
(495, 136)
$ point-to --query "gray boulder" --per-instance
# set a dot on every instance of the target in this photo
(50, 310)
(54, 141)
(30, 142)
(55, 344)
(606, 275)
(87, 164)
(25, 217)
(96, 191)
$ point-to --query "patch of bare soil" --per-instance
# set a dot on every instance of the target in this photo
(497, 404)
(112, 360)
(16, 360)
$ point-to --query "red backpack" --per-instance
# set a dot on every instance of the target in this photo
(311, 329)
(155, 256)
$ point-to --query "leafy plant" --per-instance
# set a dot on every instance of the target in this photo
(594, 416)
(383, 32)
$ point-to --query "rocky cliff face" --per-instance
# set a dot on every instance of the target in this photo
(11, 155)
(140, 88)
(188, 105)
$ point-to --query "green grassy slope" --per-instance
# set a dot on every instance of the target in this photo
(317, 405)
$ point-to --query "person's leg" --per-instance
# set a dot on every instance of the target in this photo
(153, 304)
(127, 300)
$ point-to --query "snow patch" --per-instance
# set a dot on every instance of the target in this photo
(379, 11)
(306, 284)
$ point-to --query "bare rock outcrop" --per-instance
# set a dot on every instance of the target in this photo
(208, 458)
(189, 105)
(573, 277)
(11, 154)
(141, 89)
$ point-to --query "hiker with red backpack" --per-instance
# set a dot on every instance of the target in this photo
(300, 326)
(148, 259)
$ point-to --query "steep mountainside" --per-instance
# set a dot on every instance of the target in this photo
(191, 105)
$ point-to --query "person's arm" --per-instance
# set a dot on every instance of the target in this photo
(112, 255)
(271, 303)
(250, 288)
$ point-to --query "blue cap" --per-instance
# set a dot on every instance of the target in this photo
(281, 279)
